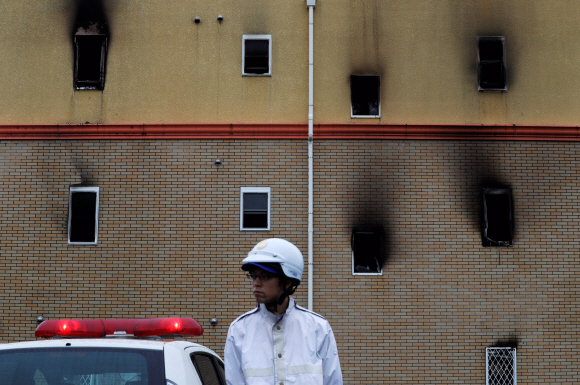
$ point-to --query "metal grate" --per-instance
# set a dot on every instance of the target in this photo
(85, 379)
(500, 366)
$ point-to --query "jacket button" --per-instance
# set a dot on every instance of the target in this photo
(280, 355)
(278, 328)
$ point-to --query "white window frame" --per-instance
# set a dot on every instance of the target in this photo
(259, 190)
(257, 37)
(352, 255)
(84, 189)
(489, 353)
(352, 115)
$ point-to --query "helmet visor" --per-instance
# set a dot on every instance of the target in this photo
(264, 266)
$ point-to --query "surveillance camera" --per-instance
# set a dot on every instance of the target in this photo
(220, 18)
(213, 322)
(218, 162)
(197, 20)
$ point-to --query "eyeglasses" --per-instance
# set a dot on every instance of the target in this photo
(263, 277)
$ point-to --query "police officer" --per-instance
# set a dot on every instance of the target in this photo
(279, 342)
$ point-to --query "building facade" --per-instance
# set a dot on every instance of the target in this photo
(445, 173)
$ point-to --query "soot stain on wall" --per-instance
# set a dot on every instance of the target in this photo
(369, 206)
(479, 168)
(510, 342)
(88, 15)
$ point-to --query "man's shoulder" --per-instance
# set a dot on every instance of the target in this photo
(309, 313)
(245, 315)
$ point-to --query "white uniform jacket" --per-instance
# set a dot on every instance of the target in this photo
(294, 348)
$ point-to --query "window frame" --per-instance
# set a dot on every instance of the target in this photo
(82, 84)
(257, 37)
(255, 190)
(488, 354)
(352, 115)
(503, 62)
(92, 189)
(381, 246)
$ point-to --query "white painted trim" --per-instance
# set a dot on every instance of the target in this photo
(257, 37)
(258, 190)
(72, 190)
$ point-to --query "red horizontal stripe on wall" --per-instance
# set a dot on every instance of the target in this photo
(288, 131)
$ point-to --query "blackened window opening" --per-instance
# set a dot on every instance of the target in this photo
(255, 211)
(491, 70)
(365, 95)
(367, 249)
(90, 58)
(257, 57)
(83, 217)
(498, 219)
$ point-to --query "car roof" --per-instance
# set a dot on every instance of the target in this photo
(127, 343)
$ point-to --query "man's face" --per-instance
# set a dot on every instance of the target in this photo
(267, 290)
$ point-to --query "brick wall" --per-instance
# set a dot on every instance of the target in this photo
(169, 244)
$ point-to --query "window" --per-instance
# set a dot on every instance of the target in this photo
(81, 365)
(255, 209)
(257, 55)
(209, 369)
(83, 219)
(491, 72)
(90, 58)
(367, 251)
(497, 217)
(500, 366)
(365, 96)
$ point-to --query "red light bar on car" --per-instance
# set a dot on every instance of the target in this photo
(147, 327)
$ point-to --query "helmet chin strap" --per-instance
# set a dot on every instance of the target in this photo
(285, 294)
(274, 304)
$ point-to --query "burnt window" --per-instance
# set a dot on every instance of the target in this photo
(257, 55)
(90, 59)
(209, 369)
(497, 217)
(365, 96)
(500, 366)
(83, 223)
(491, 70)
(255, 209)
(367, 251)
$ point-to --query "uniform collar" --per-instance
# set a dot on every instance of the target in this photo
(277, 317)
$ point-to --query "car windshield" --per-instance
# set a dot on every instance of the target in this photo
(81, 366)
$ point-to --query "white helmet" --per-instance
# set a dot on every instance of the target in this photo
(276, 250)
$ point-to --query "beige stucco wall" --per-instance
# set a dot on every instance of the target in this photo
(425, 52)
(162, 67)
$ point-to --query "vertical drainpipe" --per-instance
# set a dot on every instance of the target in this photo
(310, 4)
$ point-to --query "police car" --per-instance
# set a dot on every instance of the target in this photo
(112, 352)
